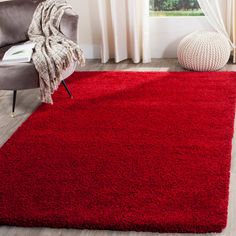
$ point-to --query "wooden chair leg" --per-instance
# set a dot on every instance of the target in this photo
(14, 103)
(67, 89)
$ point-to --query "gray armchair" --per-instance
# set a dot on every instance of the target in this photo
(15, 18)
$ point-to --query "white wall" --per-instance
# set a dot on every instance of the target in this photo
(166, 32)
(88, 26)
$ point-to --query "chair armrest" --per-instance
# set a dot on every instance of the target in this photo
(69, 24)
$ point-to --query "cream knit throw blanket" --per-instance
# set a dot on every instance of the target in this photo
(53, 52)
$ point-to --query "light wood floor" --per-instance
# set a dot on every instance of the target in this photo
(27, 101)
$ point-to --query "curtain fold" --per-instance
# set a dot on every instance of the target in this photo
(221, 14)
(233, 28)
(124, 30)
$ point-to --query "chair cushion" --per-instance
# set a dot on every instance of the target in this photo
(15, 18)
(17, 76)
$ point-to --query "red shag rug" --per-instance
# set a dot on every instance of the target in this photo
(131, 151)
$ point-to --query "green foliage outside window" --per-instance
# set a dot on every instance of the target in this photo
(175, 8)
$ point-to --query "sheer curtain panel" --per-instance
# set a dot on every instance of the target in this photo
(221, 15)
(124, 30)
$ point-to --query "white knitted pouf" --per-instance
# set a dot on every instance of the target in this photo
(204, 51)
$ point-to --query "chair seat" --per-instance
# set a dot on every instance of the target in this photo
(19, 76)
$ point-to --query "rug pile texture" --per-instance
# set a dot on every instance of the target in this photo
(132, 151)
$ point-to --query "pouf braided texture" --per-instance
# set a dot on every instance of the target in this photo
(204, 51)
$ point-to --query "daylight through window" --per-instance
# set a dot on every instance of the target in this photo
(175, 8)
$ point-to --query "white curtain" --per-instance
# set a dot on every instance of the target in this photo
(221, 15)
(124, 30)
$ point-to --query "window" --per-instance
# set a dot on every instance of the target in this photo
(175, 8)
